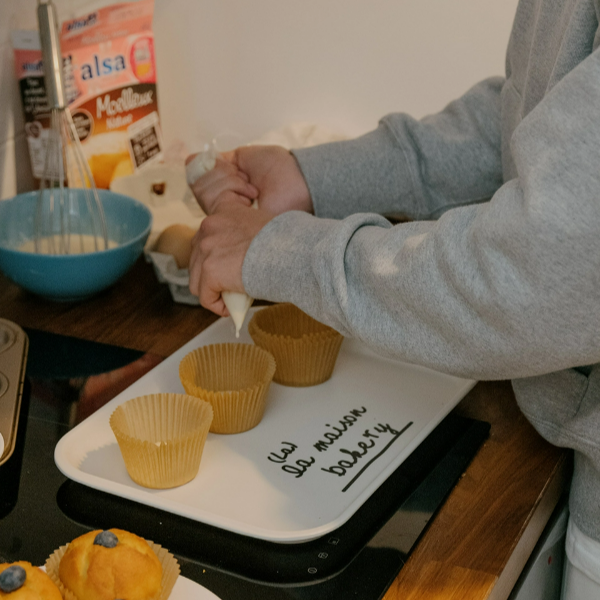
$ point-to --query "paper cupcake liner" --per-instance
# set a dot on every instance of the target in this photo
(305, 350)
(162, 437)
(170, 571)
(234, 379)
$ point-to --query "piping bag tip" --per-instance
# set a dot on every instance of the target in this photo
(238, 305)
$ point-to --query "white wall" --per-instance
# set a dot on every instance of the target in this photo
(251, 66)
(254, 65)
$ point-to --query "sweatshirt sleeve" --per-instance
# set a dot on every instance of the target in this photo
(409, 167)
(504, 289)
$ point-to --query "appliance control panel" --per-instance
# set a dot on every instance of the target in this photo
(14, 345)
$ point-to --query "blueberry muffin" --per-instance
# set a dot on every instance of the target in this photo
(22, 581)
(111, 564)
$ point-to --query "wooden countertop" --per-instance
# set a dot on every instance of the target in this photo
(480, 540)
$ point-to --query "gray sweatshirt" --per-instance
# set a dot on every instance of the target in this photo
(498, 276)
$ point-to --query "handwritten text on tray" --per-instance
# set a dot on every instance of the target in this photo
(348, 463)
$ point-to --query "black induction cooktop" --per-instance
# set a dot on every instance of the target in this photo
(40, 509)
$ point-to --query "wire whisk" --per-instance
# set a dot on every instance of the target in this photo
(69, 215)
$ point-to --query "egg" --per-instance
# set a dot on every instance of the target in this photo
(176, 240)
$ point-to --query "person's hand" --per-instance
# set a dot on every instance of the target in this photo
(225, 182)
(269, 173)
(218, 251)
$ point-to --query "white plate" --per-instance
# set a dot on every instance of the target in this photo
(186, 589)
(317, 455)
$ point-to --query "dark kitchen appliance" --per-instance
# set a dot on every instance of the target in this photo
(358, 560)
(13, 356)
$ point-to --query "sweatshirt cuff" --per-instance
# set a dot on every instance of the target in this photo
(277, 264)
(368, 174)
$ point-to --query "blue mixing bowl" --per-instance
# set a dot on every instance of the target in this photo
(75, 276)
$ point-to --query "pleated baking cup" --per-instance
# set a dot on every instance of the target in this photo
(170, 571)
(234, 379)
(161, 437)
(305, 350)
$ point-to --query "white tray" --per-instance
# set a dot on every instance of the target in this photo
(259, 483)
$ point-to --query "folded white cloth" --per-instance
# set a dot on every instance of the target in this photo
(301, 135)
(582, 569)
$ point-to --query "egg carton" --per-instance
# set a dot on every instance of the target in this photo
(167, 272)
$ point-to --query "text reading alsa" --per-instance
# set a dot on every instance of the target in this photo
(100, 67)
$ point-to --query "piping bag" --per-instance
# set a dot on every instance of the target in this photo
(237, 303)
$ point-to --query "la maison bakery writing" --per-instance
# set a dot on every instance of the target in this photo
(331, 455)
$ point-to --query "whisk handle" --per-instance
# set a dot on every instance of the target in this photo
(51, 54)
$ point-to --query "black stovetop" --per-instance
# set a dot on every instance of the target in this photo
(40, 509)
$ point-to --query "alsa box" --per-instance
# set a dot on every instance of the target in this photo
(112, 78)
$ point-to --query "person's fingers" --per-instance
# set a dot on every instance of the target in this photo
(190, 158)
(218, 250)
(195, 267)
(208, 188)
(212, 301)
(221, 171)
(202, 246)
(210, 290)
(195, 261)
(230, 156)
(196, 237)
(225, 190)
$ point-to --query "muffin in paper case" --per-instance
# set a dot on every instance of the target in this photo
(305, 350)
(161, 437)
(234, 379)
(169, 564)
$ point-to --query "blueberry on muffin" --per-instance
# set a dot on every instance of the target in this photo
(22, 581)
